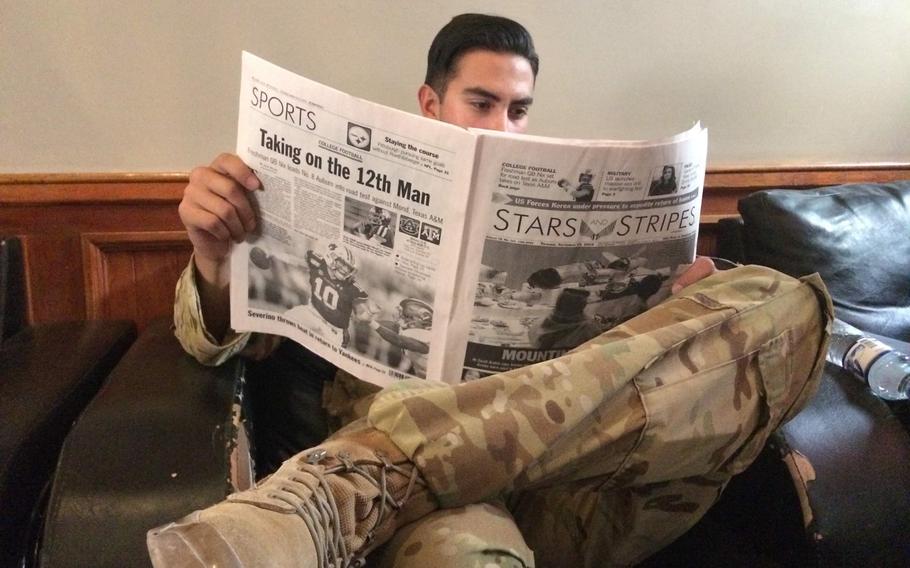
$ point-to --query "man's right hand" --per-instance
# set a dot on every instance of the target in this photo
(216, 210)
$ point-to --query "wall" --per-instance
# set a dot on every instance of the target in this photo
(107, 105)
(95, 86)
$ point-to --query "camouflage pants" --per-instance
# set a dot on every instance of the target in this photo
(607, 454)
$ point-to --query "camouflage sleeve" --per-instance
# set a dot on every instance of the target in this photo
(190, 330)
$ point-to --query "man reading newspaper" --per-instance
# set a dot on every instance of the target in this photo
(599, 457)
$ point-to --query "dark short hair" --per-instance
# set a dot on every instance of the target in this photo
(475, 31)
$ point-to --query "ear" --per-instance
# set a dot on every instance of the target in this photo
(429, 101)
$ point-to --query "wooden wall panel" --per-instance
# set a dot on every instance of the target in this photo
(112, 245)
(127, 274)
(97, 246)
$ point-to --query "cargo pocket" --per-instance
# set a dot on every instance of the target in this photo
(775, 378)
(714, 420)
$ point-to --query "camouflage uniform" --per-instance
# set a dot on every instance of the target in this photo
(610, 452)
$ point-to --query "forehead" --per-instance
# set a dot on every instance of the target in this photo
(494, 71)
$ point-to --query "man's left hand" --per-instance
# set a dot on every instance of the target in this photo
(701, 268)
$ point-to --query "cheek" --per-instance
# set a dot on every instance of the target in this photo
(519, 127)
(459, 116)
(448, 110)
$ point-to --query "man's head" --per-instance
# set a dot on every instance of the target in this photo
(379, 216)
(414, 313)
(340, 262)
(480, 72)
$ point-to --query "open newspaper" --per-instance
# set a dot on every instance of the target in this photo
(396, 246)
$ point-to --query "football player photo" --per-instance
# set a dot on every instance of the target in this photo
(410, 332)
(334, 294)
(371, 223)
(377, 227)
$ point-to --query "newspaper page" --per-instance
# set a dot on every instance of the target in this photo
(568, 238)
(360, 220)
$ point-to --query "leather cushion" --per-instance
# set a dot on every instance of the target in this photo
(155, 444)
(48, 373)
(859, 487)
(856, 236)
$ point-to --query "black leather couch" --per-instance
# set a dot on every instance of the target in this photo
(163, 437)
(104, 435)
(166, 435)
(858, 238)
(833, 486)
(48, 373)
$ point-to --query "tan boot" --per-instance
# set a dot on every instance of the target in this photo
(327, 506)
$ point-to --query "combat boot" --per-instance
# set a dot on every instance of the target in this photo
(327, 506)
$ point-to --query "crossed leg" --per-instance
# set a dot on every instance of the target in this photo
(480, 535)
(632, 436)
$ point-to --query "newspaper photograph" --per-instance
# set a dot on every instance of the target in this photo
(579, 237)
(397, 246)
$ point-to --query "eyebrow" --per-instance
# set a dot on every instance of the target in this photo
(480, 91)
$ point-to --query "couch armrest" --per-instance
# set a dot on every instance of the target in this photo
(158, 442)
(849, 456)
(48, 374)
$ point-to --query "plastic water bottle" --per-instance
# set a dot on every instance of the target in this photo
(885, 370)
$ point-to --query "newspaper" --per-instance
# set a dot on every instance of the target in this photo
(401, 247)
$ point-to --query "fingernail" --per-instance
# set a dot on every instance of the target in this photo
(252, 182)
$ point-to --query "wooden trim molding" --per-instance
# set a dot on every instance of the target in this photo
(81, 189)
(92, 178)
(126, 241)
(722, 184)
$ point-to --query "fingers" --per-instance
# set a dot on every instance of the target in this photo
(211, 182)
(232, 166)
(215, 208)
(701, 268)
(210, 221)
(198, 220)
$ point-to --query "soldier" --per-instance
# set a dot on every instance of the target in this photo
(604, 454)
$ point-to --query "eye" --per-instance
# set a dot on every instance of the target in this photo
(481, 105)
(519, 112)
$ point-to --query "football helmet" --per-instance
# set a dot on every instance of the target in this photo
(379, 216)
(340, 262)
(415, 313)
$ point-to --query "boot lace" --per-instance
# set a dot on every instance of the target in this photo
(306, 491)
